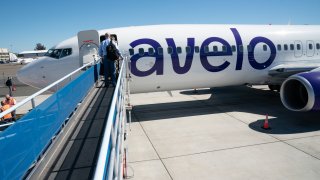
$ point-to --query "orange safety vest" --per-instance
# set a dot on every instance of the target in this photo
(3, 108)
(10, 102)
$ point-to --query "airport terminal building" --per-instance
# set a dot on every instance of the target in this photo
(4, 55)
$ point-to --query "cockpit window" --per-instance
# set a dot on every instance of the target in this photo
(59, 53)
(66, 52)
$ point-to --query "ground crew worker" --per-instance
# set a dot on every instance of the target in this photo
(7, 117)
(11, 102)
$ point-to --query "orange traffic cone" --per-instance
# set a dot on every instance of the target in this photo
(266, 124)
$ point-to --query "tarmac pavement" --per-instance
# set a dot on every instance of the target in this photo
(217, 134)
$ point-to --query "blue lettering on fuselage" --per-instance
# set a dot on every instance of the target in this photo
(238, 39)
(158, 65)
(182, 69)
(203, 55)
(251, 58)
(175, 58)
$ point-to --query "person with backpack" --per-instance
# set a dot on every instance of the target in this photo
(109, 52)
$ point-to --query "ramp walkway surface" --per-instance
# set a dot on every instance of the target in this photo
(77, 157)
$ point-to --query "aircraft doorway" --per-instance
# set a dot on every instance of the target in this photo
(112, 36)
(310, 48)
(88, 42)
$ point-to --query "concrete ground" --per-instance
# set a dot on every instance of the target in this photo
(217, 134)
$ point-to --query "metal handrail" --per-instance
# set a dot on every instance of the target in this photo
(30, 98)
(102, 160)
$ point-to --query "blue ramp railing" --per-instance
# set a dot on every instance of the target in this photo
(22, 143)
(110, 161)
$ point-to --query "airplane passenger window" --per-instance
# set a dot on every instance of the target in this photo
(215, 48)
(285, 47)
(241, 48)
(131, 52)
(310, 46)
(151, 51)
(318, 46)
(265, 47)
(179, 50)
(66, 52)
(206, 49)
(188, 50)
(298, 46)
(170, 50)
(291, 47)
(279, 47)
(233, 47)
(160, 50)
(249, 48)
(224, 48)
(197, 49)
(141, 51)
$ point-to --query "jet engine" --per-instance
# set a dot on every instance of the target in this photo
(301, 92)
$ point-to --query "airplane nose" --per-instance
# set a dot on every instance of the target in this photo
(23, 75)
(29, 75)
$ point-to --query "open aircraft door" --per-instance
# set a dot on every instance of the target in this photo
(88, 42)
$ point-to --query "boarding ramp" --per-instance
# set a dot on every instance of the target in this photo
(29, 143)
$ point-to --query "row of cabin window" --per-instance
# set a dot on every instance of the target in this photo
(298, 47)
(187, 49)
(224, 49)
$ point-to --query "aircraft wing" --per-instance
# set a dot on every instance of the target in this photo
(286, 70)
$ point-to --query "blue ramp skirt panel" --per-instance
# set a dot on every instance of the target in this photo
(22, 143)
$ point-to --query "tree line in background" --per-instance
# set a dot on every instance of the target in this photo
(39, 46)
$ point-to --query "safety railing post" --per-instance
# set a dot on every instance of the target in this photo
(33, 103)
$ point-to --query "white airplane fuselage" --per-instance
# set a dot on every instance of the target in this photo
(223, 59)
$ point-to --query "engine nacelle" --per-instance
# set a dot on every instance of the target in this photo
(301, 92)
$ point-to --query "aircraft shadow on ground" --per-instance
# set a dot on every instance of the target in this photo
(235, 99)
(197, 92)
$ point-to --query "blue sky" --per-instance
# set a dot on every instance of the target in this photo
(27, 22)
